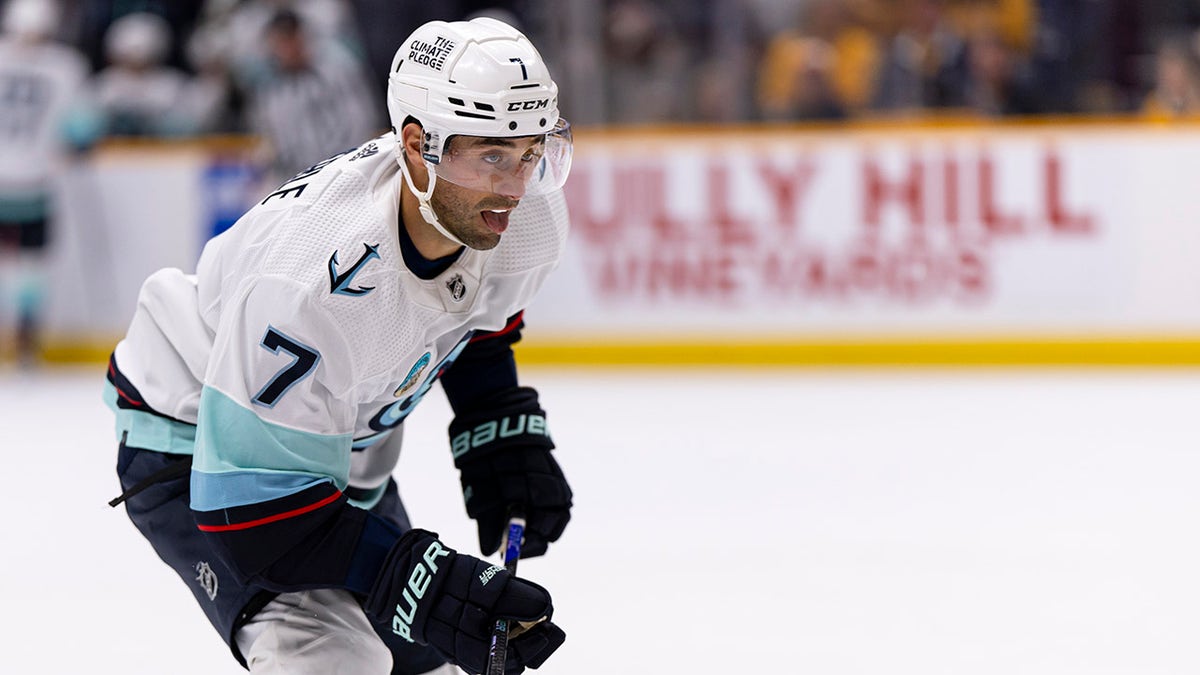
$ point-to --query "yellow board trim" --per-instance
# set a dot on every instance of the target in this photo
(1015, 351)
(76, 352)
(835, 353)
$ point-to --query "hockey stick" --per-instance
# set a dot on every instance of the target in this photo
(511, 547)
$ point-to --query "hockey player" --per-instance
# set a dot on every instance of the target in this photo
(260, 402)
(38, 78)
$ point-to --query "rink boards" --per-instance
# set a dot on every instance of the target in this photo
(961, 243)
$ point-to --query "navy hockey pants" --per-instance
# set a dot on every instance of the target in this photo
(160, 509)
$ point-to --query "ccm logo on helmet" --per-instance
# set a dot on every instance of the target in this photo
(532, 104)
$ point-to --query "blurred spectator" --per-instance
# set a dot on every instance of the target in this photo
(796, 81)
(88, 22)
(771, 16)
(1081, 53)
(38, 79)
(1013, 21)
(997, 84)
(647, 78)
(1176, 90)
(826, 69)
(680, 60)
(242, 25)
(719, 91)
(1124, 46)
(925, 62)
(137, 95)
(310, 99)
(210, 101)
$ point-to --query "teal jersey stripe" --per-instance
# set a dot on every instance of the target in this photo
(149, 431)
(232, 438)
(23, 210)
(214, 491)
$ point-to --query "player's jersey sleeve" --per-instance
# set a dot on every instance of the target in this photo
(273, 436)
(485, 367)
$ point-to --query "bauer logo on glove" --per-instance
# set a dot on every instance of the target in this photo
(431, 594)
(418, 583)
(502, 449)
(492, 430)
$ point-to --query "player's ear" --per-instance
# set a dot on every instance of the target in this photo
(411, 137)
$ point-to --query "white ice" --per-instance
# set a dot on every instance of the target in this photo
(815, 522)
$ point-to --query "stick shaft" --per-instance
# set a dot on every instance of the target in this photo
(511, 550)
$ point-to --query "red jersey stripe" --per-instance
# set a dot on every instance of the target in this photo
(512, 325)
(270, 519)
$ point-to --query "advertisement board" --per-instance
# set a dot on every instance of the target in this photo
(967, 243)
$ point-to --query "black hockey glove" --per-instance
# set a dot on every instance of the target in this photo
(502, 450)
(429, 594)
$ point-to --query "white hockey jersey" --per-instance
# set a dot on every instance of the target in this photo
(303, 340)
(37, 83)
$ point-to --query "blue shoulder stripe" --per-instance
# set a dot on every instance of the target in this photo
(212, 491)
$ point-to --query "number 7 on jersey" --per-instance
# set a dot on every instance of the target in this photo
(304, 360)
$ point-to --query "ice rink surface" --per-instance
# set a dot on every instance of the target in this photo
(817, 522)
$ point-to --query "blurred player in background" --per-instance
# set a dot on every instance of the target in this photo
(138, 94)
(260, 402)
(38, 78)
(308, 98)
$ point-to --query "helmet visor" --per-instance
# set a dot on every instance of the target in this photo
(509, 166)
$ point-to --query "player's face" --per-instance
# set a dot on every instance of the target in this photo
(476, 218)
(479, 216)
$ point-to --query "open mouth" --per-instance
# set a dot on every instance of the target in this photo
(496, 219)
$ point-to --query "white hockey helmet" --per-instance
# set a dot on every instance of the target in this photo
(141, 37)
(30, 18)
(479, 78)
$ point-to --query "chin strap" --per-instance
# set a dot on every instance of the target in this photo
(423, 197)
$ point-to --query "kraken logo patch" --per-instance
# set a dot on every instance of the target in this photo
(411, 379)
